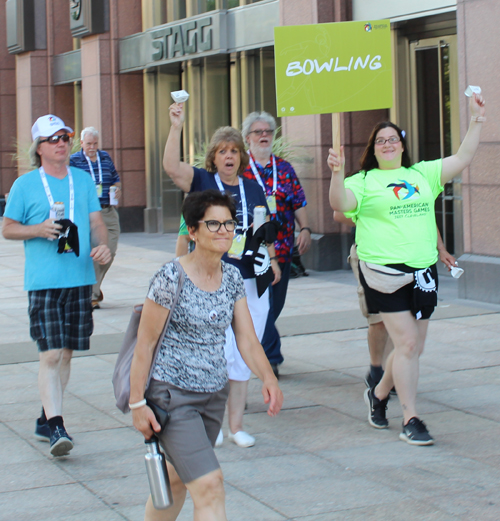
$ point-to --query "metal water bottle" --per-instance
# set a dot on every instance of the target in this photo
(159, 483)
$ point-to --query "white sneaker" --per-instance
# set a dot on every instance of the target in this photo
(220, 439)
(242, 439)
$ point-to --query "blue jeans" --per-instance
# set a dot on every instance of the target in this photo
(271, 341)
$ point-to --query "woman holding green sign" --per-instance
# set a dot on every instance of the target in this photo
(392, 203)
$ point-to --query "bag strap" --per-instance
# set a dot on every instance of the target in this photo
(180, 283)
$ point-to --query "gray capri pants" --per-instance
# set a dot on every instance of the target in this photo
(195, 422)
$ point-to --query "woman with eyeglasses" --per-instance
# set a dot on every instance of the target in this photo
(391, 202)
(225, 160)
(189, 378)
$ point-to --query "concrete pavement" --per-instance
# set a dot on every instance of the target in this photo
(319, 460)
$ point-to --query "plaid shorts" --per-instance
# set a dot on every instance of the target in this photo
(61, 318)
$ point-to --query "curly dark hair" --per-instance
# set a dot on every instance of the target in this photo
(196, 205)
(368, 160)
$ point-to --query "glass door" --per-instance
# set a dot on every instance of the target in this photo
(435, 124)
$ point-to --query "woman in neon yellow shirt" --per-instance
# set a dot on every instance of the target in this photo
(391, 202)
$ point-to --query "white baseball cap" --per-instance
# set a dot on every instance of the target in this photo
(46, 126)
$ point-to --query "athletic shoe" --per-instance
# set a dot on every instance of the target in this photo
(371, 381)
(376, 410)
(60, 442)
(242, 439)
(220, 439)
(415, 433)
(42, 431)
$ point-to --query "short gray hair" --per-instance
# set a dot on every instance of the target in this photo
(89, 130)
(35, 159)
(253, 118)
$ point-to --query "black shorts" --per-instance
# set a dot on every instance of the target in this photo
(61, 318)
(408, 298)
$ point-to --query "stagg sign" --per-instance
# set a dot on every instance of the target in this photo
(179, 40)
(75, 9)
(174, 42)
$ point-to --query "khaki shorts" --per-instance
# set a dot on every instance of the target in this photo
(353, 259)
(195, 422)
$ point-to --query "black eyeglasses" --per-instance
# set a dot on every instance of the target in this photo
(262, 132)
(53, 140)
(214, 226)
(393, 139)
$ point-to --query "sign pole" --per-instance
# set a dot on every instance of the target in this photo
(336, 136)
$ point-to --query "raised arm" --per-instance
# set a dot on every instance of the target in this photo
(453, 165)
(341, 199)
(181, 173)
(339, 217)
(254, 356)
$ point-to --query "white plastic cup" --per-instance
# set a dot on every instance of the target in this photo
(472, 89)
(113, 201)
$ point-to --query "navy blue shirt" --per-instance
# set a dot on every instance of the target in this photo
(109, 174)
(204, 180)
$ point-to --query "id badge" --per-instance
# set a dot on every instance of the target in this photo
(271, 203)
(237, 247)
(99, 190)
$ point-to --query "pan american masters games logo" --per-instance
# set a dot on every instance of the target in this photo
(405, 190)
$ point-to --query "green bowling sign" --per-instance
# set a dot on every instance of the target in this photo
(335, 67)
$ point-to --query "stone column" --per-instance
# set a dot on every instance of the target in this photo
(477, 21)
(113, 104)
(330, 241)
(8, 125)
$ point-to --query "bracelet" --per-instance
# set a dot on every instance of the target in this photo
(273, 258)
(137, 405)
(306, 228)
(478, 119)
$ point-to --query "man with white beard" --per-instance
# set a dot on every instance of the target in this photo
(286, 202)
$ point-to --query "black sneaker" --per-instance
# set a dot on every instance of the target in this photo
(376, 410)
(371, 381)
(42, 431)
(415, 433)
(60, 442)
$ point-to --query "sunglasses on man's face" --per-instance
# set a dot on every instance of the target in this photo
(53, 140)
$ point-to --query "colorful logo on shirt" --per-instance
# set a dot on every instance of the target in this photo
(404, 190)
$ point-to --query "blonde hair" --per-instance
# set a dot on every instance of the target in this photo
(226, 135)
(35, 159)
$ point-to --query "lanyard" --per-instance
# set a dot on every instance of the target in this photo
(92, 169)
(243, 197)
(258, 178)
(71, 192)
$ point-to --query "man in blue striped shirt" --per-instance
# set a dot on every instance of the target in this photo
(103, 172)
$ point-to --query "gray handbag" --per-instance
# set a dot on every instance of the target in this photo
(121, 374)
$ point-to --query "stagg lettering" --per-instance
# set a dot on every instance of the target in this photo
(182, 39)
(310, 66)
(409, 210)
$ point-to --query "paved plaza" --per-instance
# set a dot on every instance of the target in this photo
(319, 460)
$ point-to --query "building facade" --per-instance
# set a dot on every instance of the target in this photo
(112, 65)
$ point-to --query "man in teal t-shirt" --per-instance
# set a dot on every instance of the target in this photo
(59, 285)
